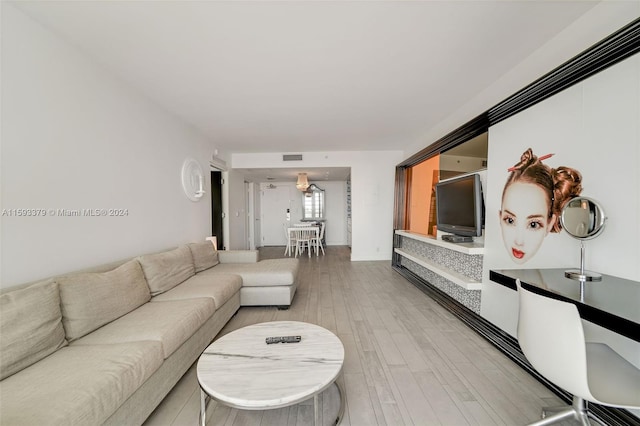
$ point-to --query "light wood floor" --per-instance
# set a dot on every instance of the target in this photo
(408, 361)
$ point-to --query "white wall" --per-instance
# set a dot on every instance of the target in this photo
(458, 163)
(237, 235)
(593, 127)
(335, 193)
(372, 193)
(74, 137)
(335, 196)
(335, 208)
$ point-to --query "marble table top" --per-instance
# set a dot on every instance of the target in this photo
(242, 371)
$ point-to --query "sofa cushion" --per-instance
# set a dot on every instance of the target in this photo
(90, 300)
(238, 256)
(30, 327)
(78, 385)
(204, 255)
(167, 269)
(268, 272)
(171, 323)
(219, 287)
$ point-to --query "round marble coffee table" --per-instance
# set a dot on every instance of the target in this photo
(242, 371)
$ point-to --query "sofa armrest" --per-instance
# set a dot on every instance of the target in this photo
(238, 256)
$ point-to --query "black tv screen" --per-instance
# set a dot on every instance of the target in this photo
(459, 206)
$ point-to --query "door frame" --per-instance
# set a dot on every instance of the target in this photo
(217, 207)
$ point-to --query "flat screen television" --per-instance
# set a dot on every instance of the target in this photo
(459, 206)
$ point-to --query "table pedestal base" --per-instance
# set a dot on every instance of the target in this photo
(204, 400)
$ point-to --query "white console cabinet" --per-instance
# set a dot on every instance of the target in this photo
(454, 268)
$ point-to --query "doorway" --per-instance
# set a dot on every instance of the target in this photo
(216, 208)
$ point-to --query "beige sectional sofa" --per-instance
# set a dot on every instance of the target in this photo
(105, 346)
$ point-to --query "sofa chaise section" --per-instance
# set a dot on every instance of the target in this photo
(269, 282)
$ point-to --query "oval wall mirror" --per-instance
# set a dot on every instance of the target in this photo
(583, 218)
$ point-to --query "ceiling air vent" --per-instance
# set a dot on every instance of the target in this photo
(292, 157)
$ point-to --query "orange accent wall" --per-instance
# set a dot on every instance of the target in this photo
(420, 195)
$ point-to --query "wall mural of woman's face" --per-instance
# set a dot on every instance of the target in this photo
(524, 220)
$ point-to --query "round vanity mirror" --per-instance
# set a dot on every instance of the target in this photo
(583, 219)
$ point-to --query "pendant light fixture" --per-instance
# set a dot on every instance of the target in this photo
(302, 183)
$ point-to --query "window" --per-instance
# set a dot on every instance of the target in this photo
(313, 203)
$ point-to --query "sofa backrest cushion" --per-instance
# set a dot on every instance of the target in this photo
(30, 326)
(92, 299)
(204, 255)
(167, 269)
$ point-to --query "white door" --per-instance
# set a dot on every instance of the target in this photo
(274, 204)
(248, 208)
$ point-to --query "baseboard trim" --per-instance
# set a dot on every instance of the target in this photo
(509, 346)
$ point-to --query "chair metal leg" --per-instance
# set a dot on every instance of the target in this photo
(581, 410)
(584, 419)
(578, 410)
(569, 412)
(555, 409)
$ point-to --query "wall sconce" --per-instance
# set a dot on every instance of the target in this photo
(302, 183)
(192, 179)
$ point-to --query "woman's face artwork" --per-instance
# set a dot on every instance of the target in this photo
(524, 220)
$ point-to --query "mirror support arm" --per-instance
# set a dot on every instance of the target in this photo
(589, 208)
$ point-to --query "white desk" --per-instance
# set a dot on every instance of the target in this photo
(613, 303)
(240, 370)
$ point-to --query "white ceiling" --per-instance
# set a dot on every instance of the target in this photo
(296, 76)
(314, 174)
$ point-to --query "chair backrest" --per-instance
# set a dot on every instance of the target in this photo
(551, 337)
(304, 233)
(322, 230)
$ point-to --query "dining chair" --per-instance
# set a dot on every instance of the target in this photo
(305, 238)
(290, 238)
(320, 237)
(551, 336)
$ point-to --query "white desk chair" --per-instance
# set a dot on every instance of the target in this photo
(305, 239)
(551, 337)
(291, 241)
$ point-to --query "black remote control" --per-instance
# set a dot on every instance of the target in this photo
(283, 339)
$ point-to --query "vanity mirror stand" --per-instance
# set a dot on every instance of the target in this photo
(583, 219)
